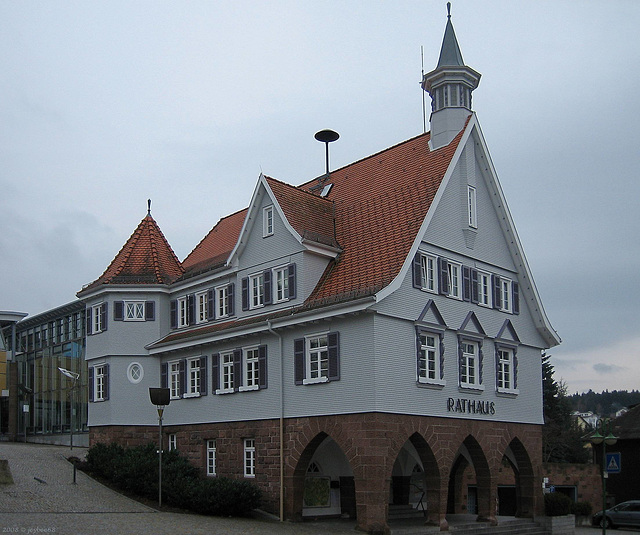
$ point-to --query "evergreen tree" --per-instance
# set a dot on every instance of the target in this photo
(561, 437)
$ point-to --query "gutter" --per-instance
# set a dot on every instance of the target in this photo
(270, 329)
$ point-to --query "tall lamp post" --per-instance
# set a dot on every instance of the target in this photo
(604, 436)
(160, 398)
(74, 377)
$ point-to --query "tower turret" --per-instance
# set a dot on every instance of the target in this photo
(450, 86)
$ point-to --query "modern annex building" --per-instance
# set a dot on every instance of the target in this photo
(353, 344)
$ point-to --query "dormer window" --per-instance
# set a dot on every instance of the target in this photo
(267, 221)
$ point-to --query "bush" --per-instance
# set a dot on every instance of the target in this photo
(581, 508)
(135, 470)
(557, 504)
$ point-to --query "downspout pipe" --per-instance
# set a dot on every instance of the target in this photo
(270, 329)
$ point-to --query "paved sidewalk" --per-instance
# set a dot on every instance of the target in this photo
(43, 499)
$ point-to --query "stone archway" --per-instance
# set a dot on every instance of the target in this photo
(520, 461)
(481, 498)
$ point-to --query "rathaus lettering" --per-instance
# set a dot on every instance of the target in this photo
(471, 406)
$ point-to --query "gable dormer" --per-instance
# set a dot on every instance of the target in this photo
(450, 86)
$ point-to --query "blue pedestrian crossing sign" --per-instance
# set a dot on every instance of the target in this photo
(614, 463)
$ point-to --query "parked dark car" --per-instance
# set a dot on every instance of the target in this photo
(623, 514)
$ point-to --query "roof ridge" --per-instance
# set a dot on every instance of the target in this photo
(371, 156)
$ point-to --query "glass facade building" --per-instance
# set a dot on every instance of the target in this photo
(50, 402)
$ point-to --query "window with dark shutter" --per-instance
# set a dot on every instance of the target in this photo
(191, 309)
(333, 348)
(91, 382)
(497, 292)
(183, 376)
(231, 298)
(118, 311)
(203, 376)
(164, 375)
(89, 318)
(237, 369)
(515, 287)
(291, 289)
(466, 283)
(474, 286)
(245, 293)
(174, 314)
(105, 396)
(211, 305)
(298, 359)
(262, 366)
(103, 316)
(417, 271)
(150, 310)
(268, 293)
(443, 270)
(215, 372)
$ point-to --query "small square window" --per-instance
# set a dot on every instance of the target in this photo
(134, 310)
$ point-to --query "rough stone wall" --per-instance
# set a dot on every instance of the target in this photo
(371, 443)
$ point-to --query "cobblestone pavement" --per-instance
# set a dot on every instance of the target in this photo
(44, 499)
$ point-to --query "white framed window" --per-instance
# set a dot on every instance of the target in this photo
(211, 457)
(506, 370)
(227, 379)
(173, 442)
(428, 273)
(471, 207)
(98, 313)
(470, 362)
(429, 359)
(99, 382)
(223, 303)
(193, 377)
(202, 304)
(454, 276)
(249, 457)
(484, 289)
(134, 310)
(267, 221)
(183, 311)
(251, 361)
(282, 284)
(135, 372)
(256, 289)
(174, 379)
(506, 304)
(317, 358)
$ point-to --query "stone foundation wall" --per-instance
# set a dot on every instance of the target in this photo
(371, 443)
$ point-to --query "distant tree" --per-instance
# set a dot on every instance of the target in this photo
(561, 437)
(606, 403)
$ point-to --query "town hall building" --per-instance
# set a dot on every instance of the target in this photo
(368, 340)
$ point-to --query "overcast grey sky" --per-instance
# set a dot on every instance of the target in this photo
(104, 104)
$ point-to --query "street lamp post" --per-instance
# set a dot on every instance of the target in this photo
(160, 397)
(604, 436)
(74, 377)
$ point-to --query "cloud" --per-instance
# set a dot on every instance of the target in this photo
(612, 366)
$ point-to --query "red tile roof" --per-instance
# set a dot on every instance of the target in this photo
(146, 258)
(216, 246)
(310, 215)
(381, 202)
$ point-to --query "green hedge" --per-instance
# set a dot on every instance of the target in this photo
(135, 470)
(557, 504)
(581, 509)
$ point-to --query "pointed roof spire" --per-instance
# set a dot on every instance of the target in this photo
(146, 258)
(450, 54)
